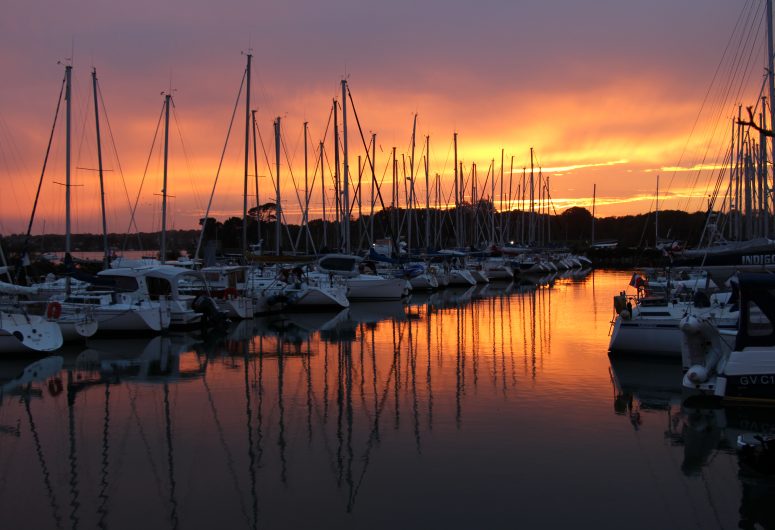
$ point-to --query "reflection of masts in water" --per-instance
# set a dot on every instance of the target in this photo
(413, 372)
(170, 460)
(281, 407)
(102, 508)
(42, 461)
(460, 365)
(428, 380)
(74, 503)
(251, 450)
(307, 363)
(397, 382)
(222, 439)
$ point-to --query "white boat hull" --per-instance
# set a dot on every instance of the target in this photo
(28, 333)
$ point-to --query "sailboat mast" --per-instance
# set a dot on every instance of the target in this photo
(594, 196)
(278, 205)
(346, 174)
(68, 108)
(373, 183)
(305, 221)
(500, 217)
(255, 171)
(337, 197)
(656, 216)
(106, 257)
(771, 77)
(531, 231)
(323, 196)
(427, 194)
(163, 246)
(458, 222)
(247, 158)
(411, 187)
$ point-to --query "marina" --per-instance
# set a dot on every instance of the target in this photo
(458, 408)
(424, 265)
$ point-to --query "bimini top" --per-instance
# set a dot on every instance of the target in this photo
(757, 309)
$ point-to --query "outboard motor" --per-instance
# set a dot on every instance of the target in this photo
(211, 315)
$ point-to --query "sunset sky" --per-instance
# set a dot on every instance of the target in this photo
(607, 92)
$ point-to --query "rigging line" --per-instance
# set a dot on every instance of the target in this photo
(142, 180)
(743, 81)
(293, 178)
(25, 245)
(220, 164)
(737, 62)
(115, 152)
(368, 156)
(710, 87)
(175, 119)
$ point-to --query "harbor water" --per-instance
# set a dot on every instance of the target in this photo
(491, 407)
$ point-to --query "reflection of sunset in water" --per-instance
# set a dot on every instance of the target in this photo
(465, 408)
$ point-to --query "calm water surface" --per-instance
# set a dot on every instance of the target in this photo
(495, 407)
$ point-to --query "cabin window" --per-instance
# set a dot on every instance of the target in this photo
(158, 287)
(758, 323)
(337, 264)
(124, 284)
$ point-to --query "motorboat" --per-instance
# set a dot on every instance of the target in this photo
(746, 369)
(649, 325)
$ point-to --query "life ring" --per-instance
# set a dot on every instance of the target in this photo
(229, 293)
(53, 310)
(55, 386)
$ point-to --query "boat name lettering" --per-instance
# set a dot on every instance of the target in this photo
(757, 380)
(759, 259)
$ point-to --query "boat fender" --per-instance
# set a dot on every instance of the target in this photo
(697, 374)
(625, 314)
(53, 310)
(55, 386)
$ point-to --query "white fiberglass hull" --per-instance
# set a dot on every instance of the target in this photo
(460, 277)
(365, 287)
(660, 337)
(28, 333)
(311, 297)
(424, 282)
(122, 318)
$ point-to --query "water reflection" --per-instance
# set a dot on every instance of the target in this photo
(320, 417)
(707, 437)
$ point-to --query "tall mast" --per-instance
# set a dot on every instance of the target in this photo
(531, 231)
(278, 207)
(656, 217)
(411, 187)
(394, 220)
(106, 257)
(373, 183)
(771, 77)
(427, 194)
(458, 222)
(346, 174)
(247, 157)
(305, 221)
(255, 170)
(337, 196)
(163, 246)
(68, 107)
(594, 196)
(492, 199)
(511, 181)
(500, 218)
(323, 196)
